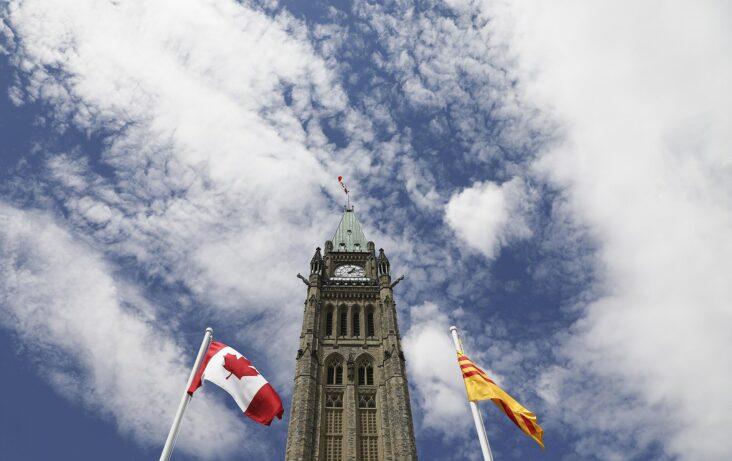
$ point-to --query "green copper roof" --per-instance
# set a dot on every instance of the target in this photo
(349, 236)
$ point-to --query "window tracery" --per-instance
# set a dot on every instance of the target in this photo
(334, 373)
(366, 374)
(368, 430)
(333, 429)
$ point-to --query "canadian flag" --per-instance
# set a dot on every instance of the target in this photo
(231, 371)
(340, 180)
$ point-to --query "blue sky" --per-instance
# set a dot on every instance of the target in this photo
(553, 179)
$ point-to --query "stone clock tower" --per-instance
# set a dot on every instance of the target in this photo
(351, 399)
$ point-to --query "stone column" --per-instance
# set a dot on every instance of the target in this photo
(305, 396)
(349, 416)
(403, 444)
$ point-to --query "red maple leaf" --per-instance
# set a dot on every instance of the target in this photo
(238, 366)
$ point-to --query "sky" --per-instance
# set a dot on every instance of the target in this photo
(554, 178)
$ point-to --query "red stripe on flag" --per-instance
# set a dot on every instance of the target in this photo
(508, 412)
(213, 348)
(468, 374)
(477, 371)
(529, 424)
(472, 365)
(265, 405)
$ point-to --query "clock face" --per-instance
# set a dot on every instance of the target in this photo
(349, 270)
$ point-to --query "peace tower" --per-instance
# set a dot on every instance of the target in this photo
(351, 399)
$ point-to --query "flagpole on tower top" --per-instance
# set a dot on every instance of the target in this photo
(173, 434)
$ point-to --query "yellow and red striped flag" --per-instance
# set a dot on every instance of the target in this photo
(481, 387)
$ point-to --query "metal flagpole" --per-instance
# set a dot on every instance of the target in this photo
(173, 434)
(477, 419)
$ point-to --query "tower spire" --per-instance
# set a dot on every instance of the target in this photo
(349, 236)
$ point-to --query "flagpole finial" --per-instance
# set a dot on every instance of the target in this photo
(209, 330)
(455, 333)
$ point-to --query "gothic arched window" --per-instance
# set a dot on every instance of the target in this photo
(334, 373)
(370, 330)
(332, 441)
(366, 374)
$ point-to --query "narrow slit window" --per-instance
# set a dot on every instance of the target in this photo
(329, 323)
(344, 323)
(356, 325)
(339, 375)
(370, 324)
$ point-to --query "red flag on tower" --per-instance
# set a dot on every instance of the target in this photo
(340, 180)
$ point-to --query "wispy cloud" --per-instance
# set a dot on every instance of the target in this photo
(207, 152)
(640, 93)
(216, 174)
(95, 339)
(222, 125)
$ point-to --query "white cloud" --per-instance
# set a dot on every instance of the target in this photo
(214, 174)
(217, 183)
(452, 66)
(433, 372)
(487, 216)
(645, 164)
(94, 340)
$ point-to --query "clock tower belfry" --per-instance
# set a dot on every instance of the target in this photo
(351, 398)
